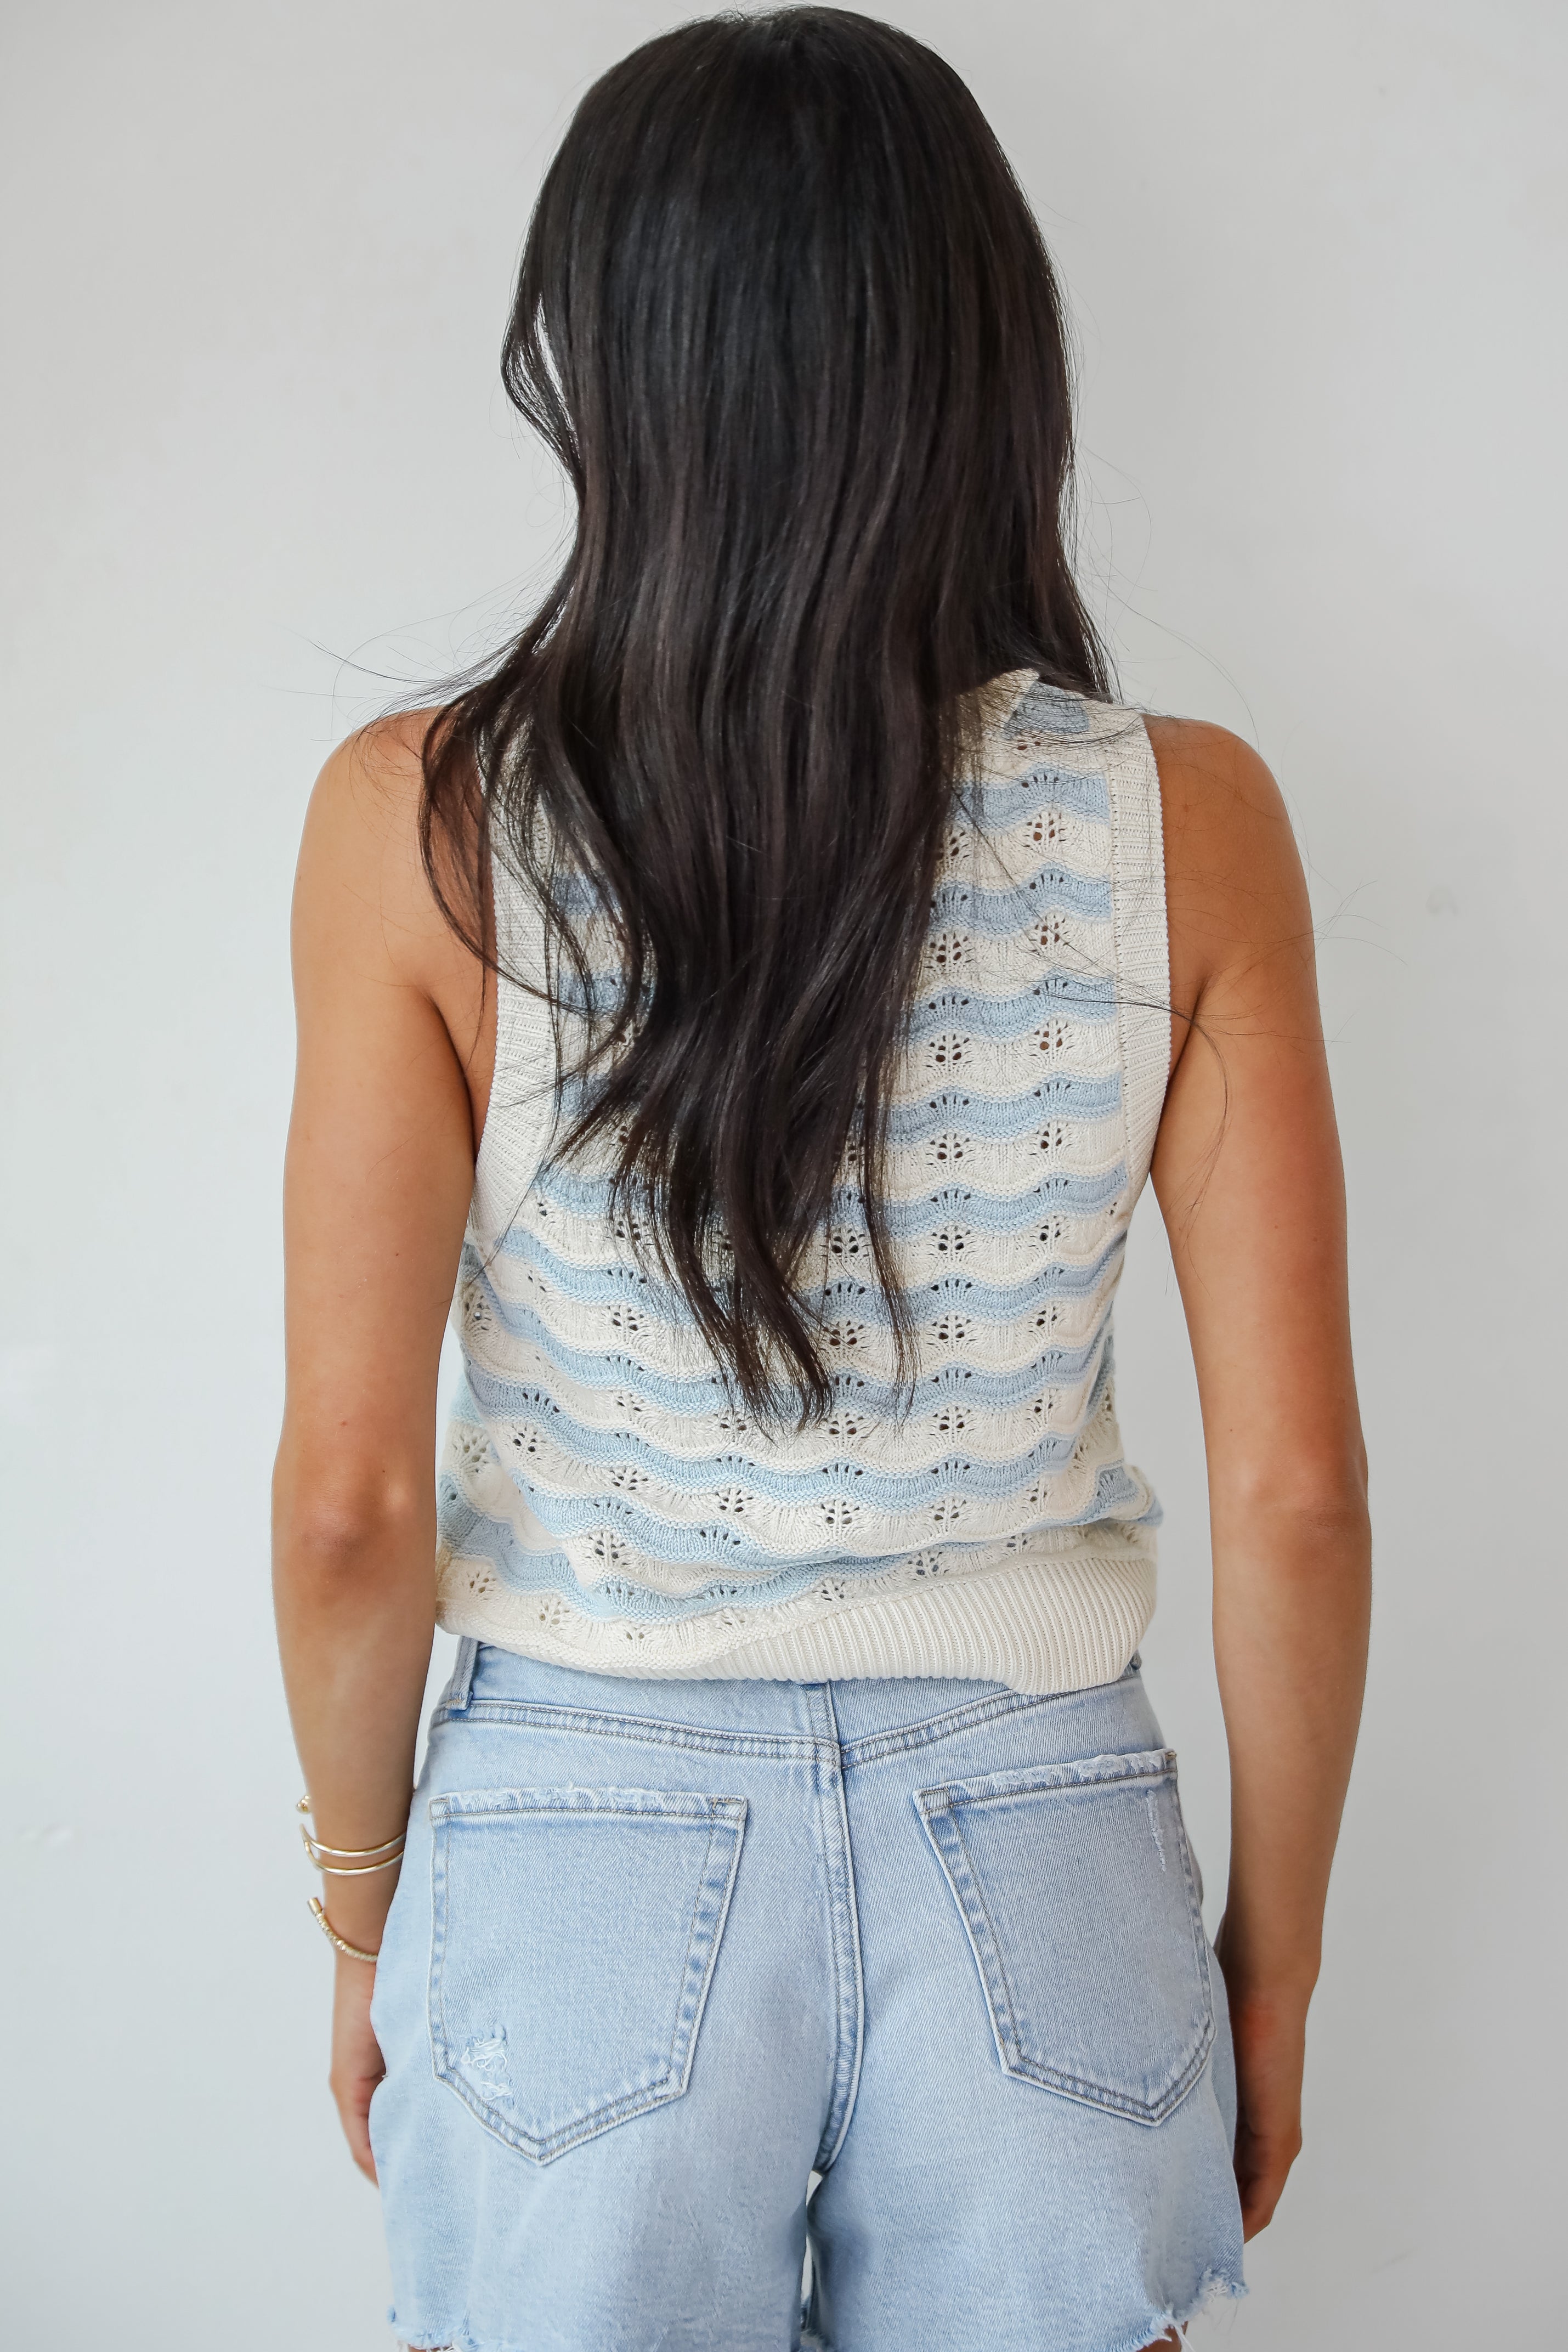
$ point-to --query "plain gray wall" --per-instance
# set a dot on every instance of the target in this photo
(256, 262)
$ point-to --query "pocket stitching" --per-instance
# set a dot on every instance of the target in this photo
(938, 1809)
(1037, 1780)
(696, 1972)
(727, 1818)
(953, 1855)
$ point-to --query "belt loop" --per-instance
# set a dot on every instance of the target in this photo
(456, 1696)
(816, 1701)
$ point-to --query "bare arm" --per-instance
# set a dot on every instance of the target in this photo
(379, 1172)
(1247, 1171)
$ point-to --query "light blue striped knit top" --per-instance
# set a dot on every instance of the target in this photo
(602, 1500)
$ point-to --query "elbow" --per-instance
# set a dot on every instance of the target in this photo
(336, 1526)
(1316, 1504)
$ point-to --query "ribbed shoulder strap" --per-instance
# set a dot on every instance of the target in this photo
(1139, 916)
(520, 1121)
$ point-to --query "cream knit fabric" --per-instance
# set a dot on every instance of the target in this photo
(605, 1504)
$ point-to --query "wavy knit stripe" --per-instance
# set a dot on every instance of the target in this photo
(1053, 790)
(952, 1340)
(685, 1600)
(537, 1422)
(992, 1303)
(605, 1501)
(999, 913)
(1005, 1017)
(1064, 1195)
(629, 1535)
(981, 906)
(699, 1403)
(984, 1117)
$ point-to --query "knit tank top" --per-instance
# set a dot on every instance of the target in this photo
(603, 1500)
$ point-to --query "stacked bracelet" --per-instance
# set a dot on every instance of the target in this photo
(352, 1863)
(347, 1862)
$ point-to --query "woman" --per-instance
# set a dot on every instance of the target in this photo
(762, 996)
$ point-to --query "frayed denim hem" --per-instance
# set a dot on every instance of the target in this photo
(1216, 2288)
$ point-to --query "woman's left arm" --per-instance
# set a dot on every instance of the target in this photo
(379, 1173)
(1247, 1170)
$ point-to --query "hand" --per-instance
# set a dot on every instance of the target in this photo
(1269, 2029)
(357, 2061)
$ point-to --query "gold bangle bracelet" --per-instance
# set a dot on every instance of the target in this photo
(360, 1869)
(313, 1846)
(364, 1855)
(338, 1943)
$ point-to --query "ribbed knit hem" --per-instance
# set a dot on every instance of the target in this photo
(1036, 1625)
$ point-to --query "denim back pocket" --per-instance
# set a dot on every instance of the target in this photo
(575, 1937)
(1077, 1890)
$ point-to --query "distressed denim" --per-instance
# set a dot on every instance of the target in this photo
(686, 1979)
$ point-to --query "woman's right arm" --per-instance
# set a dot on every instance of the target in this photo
(1247, 1171)
(379, 1168)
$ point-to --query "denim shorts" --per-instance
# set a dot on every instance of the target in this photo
(695, 1990)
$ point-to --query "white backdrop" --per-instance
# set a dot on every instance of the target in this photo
(256, 262)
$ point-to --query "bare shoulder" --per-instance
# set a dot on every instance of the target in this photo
(1234, 882)
(1239, 918)
(361, 867)
(365, 801)
(1224, 813)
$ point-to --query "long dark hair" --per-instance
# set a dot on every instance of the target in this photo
(788, 322)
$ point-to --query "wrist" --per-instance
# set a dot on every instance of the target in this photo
(1255, 1981)
(1265, 2013)
(1265, 2002)
(357, 1887)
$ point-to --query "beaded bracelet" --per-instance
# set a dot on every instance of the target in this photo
(338, 1943)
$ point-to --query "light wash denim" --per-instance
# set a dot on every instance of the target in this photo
(663, 1951)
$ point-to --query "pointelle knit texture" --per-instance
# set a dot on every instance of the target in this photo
(603, 1500)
